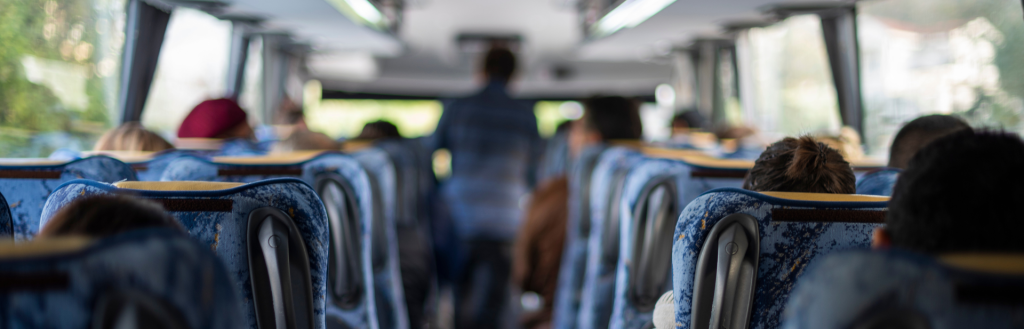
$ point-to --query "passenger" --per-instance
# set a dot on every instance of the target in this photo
(105, 215)
(801, 165)
(379, 129)
(216, 118)
(538, 249)
(494, 146)
(959, 194)
(919, 133)
(131, 136)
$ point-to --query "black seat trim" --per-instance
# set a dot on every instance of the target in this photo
(654, 221)
(279, 270)
(345, 280)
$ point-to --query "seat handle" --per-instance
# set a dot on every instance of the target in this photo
(274, 243)
(732, 246)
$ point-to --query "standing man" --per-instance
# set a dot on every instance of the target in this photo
(494, 145)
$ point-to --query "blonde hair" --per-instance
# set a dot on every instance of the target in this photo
(131, 136)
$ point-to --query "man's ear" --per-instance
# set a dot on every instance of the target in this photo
(880, 239)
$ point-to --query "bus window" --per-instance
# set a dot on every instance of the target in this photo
(922, 57)
(794, 91)
(59, 73)
(192, 67)
(345, 118)
(550, 114)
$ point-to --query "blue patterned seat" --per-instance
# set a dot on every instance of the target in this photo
(654, 192)
(234, 220)
(596, 274)
(760, 243)
(555, 161)
(879, 182)
(79, 283)
(27, 185)
(570, 276)
(365, 174)
(899, 289)
(6, 223)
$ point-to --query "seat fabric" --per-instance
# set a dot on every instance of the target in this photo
(160, 263)
(372, 176)
(878, 182)
(846, 289)
(26, 187)
(224, 232)
(597, 281)
(690, 185)
(6, 223)
(786, 247)
(570, 274)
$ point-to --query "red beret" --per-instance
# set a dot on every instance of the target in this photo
(211, 118)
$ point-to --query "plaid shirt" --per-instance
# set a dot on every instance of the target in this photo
(495, 146)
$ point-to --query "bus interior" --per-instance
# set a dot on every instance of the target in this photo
(410, 164)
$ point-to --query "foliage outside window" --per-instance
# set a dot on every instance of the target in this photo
(960, 57)
(794, 91)
(60, 62)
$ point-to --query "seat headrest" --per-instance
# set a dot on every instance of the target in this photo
(350, 146)
(30, 162)
(42, 247)
(274, 159)
(199, 143)
(124, 156)
(176, 186)
(826, 197)
(698, 158)
(1007, 264)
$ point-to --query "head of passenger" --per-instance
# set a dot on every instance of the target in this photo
(216, 118)
(918, 133)
(959, 194)
(379, 129)
(499, 65)
(606, 118)
(105, 215)
(131, 136)
(305, 140)
(801, 165)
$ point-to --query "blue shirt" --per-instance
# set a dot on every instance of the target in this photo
(495, 145)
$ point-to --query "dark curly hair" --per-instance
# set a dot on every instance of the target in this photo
(960, 194)
(801, 165)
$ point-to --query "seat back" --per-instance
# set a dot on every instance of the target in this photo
(26, 185)
(736, 253)
(6, 223)
(555, 161)
(570, 277)
(878, 182)
(370, 175)
(271, 234)
(607, 180)
(900, 289)
(655, 189)
(151, 278)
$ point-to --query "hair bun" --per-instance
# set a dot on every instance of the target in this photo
(809, 157)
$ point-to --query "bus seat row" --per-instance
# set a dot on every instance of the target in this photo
(152, 278)
(361, 282)
(629, 238)
(26, 185)
(737, 254)
(272, 236)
